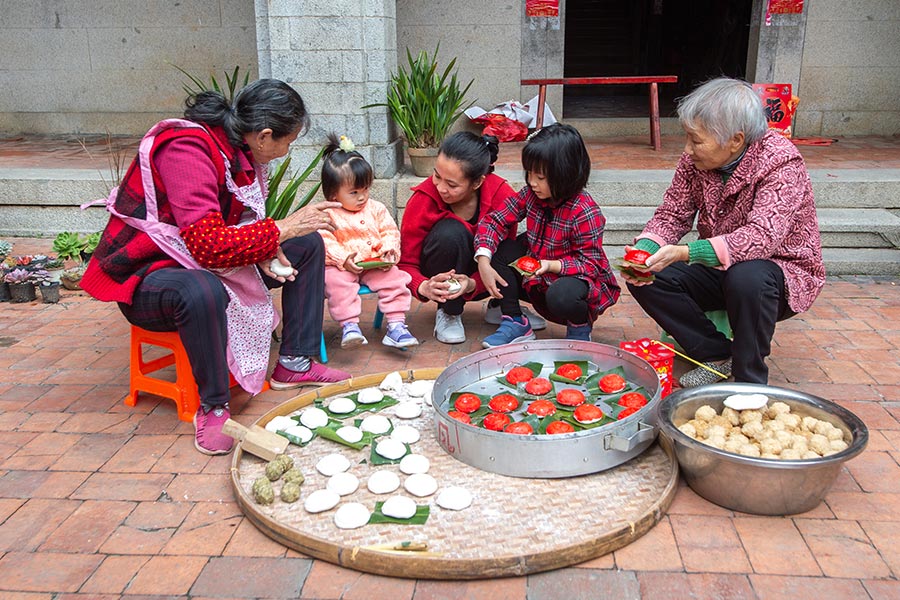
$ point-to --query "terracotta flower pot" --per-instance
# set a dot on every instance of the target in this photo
(422, 160)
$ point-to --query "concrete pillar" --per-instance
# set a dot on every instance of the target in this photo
(543, 53)
(775, 51)
(339, 54)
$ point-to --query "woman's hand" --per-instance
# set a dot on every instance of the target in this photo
(667, 255)
(265, 267)
(306, 220)
(490, 278)
(437, 287)
(350, 265)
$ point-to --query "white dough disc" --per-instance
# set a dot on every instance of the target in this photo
(280, 423)
(314, 418)
(418, 389)
(279, 268)
(390, 448)
(406, 434)
(392, 382)
(320, 501)
(343, 484)
(399, 507)
(453, 286)
(351, 516)
(383, 482)
(408, 410)
(369, 396)
(454, 498)
(420, 484)
(350, 434)
(746, 401)
(376, 424)
(331, 464)
(299, 431)
(414, 463)
(342, 406)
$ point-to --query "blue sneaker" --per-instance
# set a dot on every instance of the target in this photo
(579, 332)
(398, 336)
(509, 332)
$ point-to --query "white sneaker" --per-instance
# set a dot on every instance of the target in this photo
(352, 336)
(449, 328)
(493, 316)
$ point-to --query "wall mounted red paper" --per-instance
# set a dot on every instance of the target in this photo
(779, 104)
(785, 7)
(541, 8)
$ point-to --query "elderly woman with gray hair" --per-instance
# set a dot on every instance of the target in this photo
(758, 255)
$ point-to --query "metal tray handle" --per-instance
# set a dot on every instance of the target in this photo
(643, 434)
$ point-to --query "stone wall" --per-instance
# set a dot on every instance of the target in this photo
(91, 66)
(850, 70)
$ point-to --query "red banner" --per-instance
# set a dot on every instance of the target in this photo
(542, 8)
(785, 7)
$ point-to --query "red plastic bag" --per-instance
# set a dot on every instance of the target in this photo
(660, 357)
(502, 127)
(779, 104)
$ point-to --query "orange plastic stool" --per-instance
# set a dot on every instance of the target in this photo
(183, 390)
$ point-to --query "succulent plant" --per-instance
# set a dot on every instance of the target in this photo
(5, 248)
(18, 276)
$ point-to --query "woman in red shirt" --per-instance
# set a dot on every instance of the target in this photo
(438, 228)
(188, 248)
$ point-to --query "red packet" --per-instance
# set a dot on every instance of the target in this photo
(660, 357)
(779, 104)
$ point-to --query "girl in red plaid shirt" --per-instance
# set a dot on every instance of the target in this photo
(564, 232)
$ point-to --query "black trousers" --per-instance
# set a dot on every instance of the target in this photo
(565, 300)
(449, 245)
(192, 302)
(752, 292)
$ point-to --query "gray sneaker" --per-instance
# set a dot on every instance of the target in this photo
(449, 328)
(701, 376)
(493, 316)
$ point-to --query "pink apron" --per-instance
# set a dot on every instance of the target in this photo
(250, 315)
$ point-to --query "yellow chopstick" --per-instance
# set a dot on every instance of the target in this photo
(689, 359)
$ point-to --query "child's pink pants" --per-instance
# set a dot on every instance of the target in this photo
(345, 304)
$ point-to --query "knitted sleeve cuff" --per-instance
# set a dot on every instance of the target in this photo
(701, 251)
(647, 245)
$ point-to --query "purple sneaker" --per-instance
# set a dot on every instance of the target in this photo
(208, 436)
(285, 379)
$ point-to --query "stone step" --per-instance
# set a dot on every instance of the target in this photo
(840, 227)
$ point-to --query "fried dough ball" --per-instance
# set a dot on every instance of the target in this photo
(749, 450)
(688, 430)
(784, 438)
(774, 425)
(751, 416)
(777, 408)
(838, 445)
(770, 446)
(700, 427)
(716, 441)
(753, 429)
(733, 416)
(769, 456)
(810, 454)
(790, 420)
(737, 435)
(733, 445)
(808, 423)
(835, 434)
(705, 413)
(716, 431)
(800, 444)
(722, 422)
(790, 454)
(819, 444)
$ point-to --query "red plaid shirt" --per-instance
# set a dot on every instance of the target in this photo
(571, 233)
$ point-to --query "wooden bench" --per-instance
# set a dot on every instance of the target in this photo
(653, 80)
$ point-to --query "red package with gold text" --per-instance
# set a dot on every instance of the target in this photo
(779, 104)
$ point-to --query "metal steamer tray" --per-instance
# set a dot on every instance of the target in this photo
(543, 456)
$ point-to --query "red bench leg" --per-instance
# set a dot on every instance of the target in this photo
(542, 98)
(654, 117)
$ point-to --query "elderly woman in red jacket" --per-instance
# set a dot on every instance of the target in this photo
(188, 248)
(437, 234)
(758, 255)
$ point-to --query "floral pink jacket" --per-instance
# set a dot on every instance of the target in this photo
(765, 211)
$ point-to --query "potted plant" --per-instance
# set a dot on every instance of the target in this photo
(5, 249)
(71, 246)
(90, 244)
(55, 267)
(49, 288)
(425, 103)
(21, 285)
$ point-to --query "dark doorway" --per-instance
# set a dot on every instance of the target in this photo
(694, 39)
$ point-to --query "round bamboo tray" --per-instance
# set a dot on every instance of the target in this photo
(514, 527)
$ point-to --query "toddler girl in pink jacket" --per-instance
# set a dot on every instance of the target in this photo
(364, 248)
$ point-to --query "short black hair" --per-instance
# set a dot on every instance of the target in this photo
(558, 153)
(476, 154)
(342, 166)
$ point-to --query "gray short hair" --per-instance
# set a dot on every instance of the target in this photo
(723, 107)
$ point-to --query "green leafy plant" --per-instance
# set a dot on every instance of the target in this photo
(228, 90)
(423, 102)
(90, 242)
(281, 203)
(5, 249)
(69, 246)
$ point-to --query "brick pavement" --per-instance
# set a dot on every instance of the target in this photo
(99, 500)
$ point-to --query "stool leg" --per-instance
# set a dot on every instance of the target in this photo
(654, 117)
(542, 98)
(379, 318)
(323, 354)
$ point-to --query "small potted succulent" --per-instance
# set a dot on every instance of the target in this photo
(55, 268)
(78, 248)
(49, 288)
(21, 285)
(5, 249)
